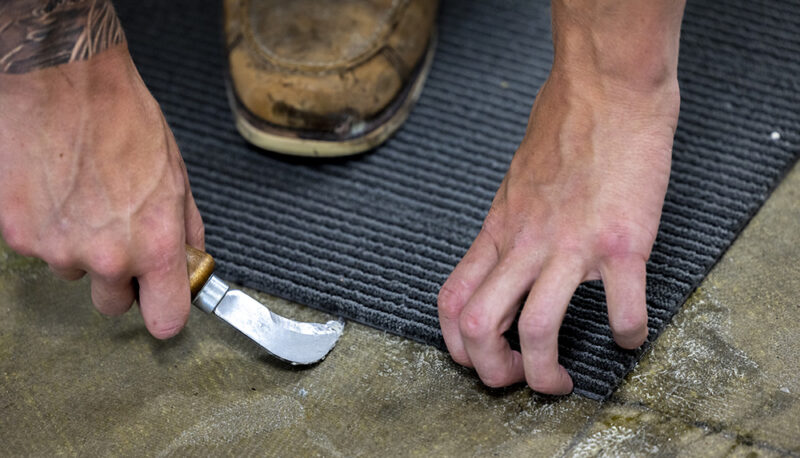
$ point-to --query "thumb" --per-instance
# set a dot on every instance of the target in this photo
(164, 297)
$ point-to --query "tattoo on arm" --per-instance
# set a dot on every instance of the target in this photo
(36, 34)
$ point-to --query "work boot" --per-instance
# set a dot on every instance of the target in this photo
(326, 77)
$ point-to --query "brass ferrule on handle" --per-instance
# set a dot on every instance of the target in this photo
(207, 289)
(201, 266)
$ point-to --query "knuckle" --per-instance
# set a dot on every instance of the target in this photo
(164, 248)
(495, 379)
(542, 383)
(629, 324)
(59, 252)
(570, 242)
(614, 244)
(619, 241)
(109, 263)
(474, 325)
(449, 301)
(493, 225)
(101, 306)
(165, 240)
(105, 310)
(536, 327)
(17, 238)
(61, 260)
(110, 309)
(461, 358)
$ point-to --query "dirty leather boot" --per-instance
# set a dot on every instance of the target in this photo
(326, 77)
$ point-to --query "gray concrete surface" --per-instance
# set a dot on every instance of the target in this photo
(721, 381)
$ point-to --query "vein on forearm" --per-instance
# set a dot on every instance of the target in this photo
(36, 34)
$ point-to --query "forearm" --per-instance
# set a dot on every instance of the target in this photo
(36, 34)
(625, 43)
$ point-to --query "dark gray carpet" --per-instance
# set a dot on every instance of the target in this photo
(373, 238)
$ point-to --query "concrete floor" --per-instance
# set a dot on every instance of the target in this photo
(722, 379)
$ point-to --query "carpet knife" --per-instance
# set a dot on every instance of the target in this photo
(292, 341)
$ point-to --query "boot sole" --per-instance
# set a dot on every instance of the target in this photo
(360, 138)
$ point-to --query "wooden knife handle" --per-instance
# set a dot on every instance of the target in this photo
(201, 266)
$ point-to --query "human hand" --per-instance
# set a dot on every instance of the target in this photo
(581, 201)
(92, 182)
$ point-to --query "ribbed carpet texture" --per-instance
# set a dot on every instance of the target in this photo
(373, 238)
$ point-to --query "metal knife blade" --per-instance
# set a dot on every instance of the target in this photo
(297, 343)
(292, 341)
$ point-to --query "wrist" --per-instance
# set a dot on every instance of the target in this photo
(36, 34)
(74, 83)
(619, 46)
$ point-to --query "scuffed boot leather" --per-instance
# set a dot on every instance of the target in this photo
(326, 77)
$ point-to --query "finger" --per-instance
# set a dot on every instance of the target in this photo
(456, 291)
(68, 274)
(62, 261)
(625, 280)
(112, 297)
(539, 324)
(164, 294)
(195, 230)
(488, 315)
